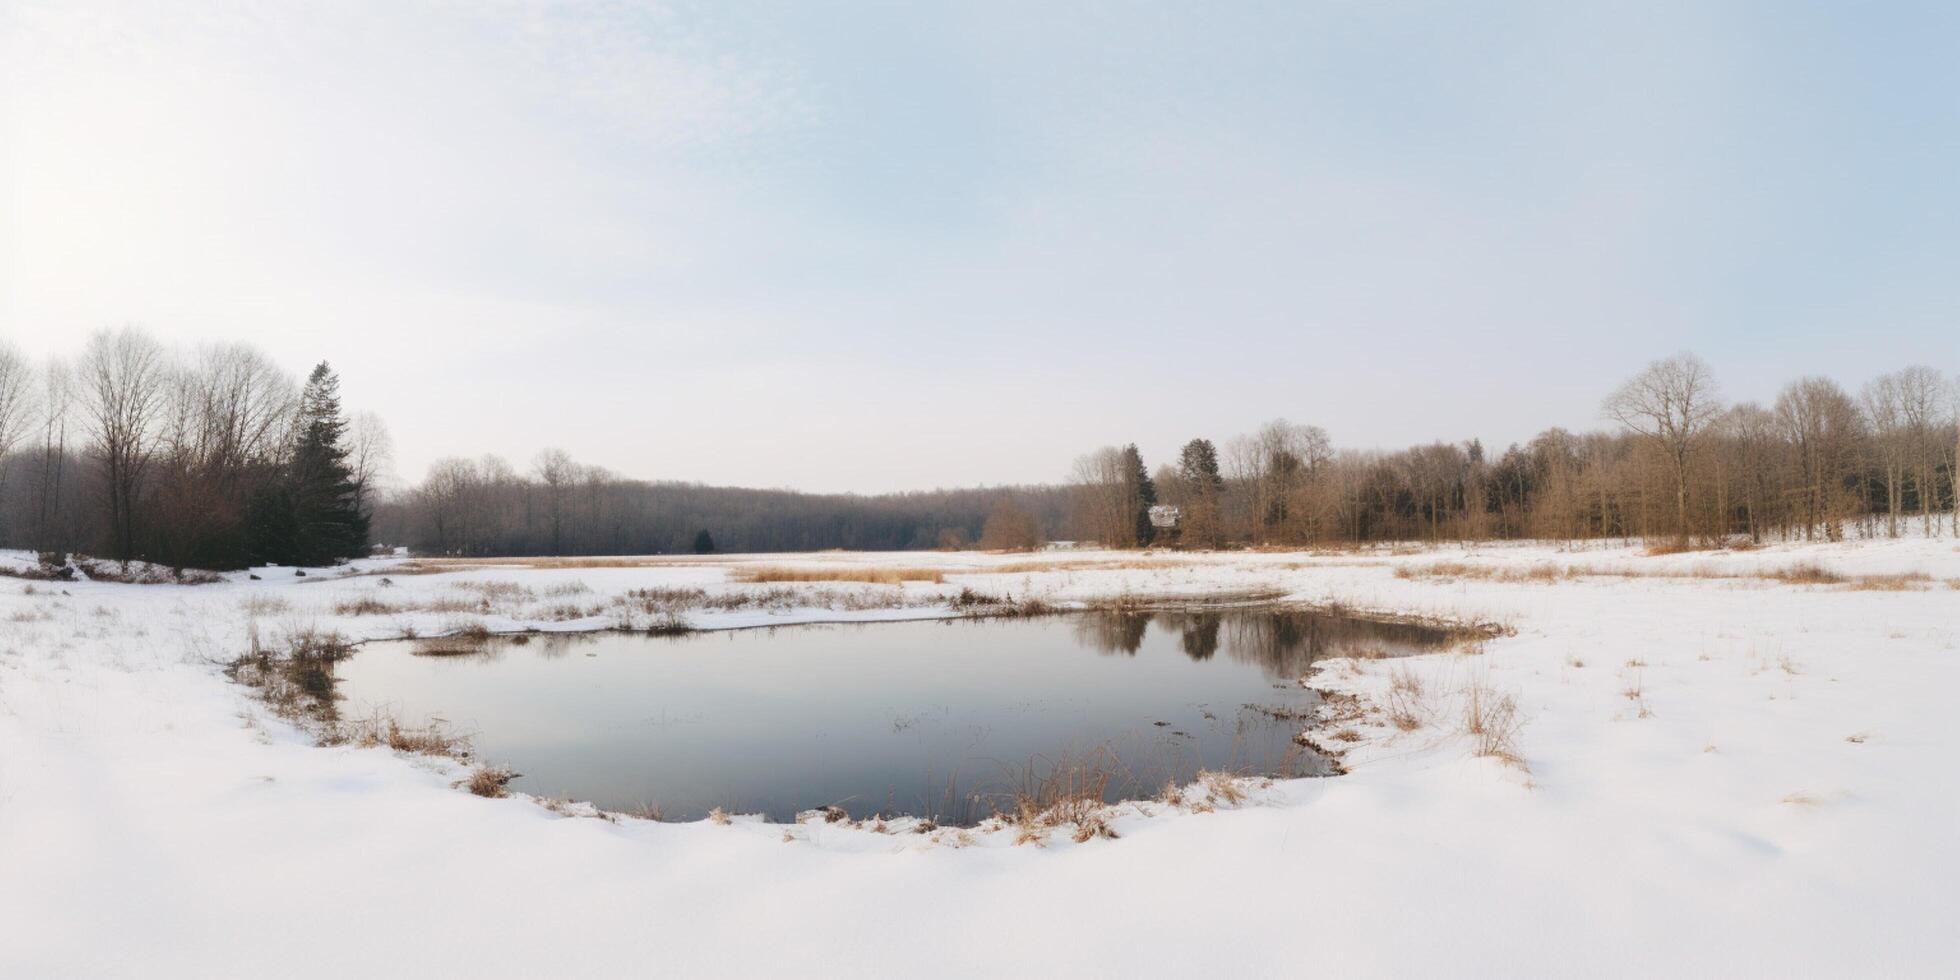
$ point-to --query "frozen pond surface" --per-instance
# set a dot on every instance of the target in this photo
(945, 718)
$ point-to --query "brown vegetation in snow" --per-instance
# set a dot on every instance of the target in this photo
(872, 575)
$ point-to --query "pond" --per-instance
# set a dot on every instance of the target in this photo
(945, 719)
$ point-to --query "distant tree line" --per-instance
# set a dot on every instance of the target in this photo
(205, 458)
(1677, 462)
(561, 507)
(214, 457)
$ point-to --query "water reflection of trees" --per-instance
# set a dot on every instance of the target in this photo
(1198, 634)
(1113, 632)
(1283, 643)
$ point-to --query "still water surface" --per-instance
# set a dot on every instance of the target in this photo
(932, 718)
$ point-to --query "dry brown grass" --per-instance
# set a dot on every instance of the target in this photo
(437, 566)
(1491, 720)
(1403, 702)
(1221, 788)
(869, 576)
(1066, 793)
(566, 611)
(1149, 601)
(499, 590)
(366, 605)
(655, 601)
(1543, 572)
(1672, 546)
(489, 781)
(1903, 582)
(1801, 573)
(469, 631)
(1804, 573)
(989, 604)
(1636, 692)
(292, 673)
(1079, 565)
(382, 728)
(460, 645)
(265, 605)
(662, 608)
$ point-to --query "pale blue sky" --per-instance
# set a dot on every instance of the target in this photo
(895, 245)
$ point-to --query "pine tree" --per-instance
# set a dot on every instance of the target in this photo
(704, 543)
(1198, 465)
(1142, 492)
(271, 529)
(1197, 470)
(326, 520)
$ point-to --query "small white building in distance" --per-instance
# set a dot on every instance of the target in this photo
(1165, 516)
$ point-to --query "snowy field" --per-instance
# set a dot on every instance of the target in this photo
(1723, 768)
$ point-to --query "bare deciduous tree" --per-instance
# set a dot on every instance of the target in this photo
(1103, 510)
(1672, 403)
(556, 471)
(16, 389)
(1822, 424)
(370, 458)
(123, 375)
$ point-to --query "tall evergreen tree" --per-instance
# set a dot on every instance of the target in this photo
(326, 523)
(1198, 465)
(1142, 492)
(1197, 471)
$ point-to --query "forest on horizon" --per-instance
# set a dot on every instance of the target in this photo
(215, 457)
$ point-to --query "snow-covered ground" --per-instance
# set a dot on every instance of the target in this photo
(1723, 774)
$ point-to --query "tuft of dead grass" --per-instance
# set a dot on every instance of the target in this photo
(293, 672)
(1492, 721)
(1221, 788)
(1403, 702)
(489, 781)
(990, 604)
(1068, 792)
(1804, 573)
(383, 728)
(499, 590)
(471, 631)
(1636, 692)
(366, 605)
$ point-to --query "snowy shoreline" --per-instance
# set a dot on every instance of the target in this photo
(1716, 774)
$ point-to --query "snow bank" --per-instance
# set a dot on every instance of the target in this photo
(1722, 775)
